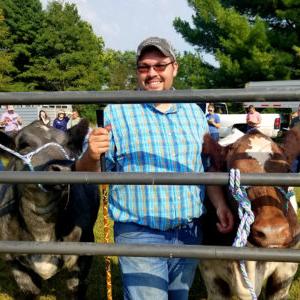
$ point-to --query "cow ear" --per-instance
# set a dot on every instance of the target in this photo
(7, 141)
(77, 135)
(214, 151)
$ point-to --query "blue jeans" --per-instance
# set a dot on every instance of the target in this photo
(147, 278)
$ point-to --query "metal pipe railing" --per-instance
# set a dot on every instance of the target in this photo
(185, 96)
(142, 250)
(139, 178)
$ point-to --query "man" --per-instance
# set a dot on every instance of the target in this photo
(11, 120)
(75, 119)
(213, 121)
(162, 137)
(253, 118)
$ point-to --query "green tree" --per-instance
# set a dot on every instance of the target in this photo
(23, 19)
(193, 73)
(5, 57)
(68, 55)
(251, 40)
(120, 69)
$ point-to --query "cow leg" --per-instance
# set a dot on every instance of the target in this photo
(279, 282)
(78, 281)
(28, 281)
(217, 288)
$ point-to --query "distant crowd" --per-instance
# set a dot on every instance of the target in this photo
(11, 122)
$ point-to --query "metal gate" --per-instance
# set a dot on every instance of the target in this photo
(183, 96)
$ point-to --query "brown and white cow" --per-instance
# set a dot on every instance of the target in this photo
(275, 225)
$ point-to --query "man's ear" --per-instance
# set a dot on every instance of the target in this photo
(175, 68)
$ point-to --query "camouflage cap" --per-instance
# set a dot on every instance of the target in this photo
(161, 44)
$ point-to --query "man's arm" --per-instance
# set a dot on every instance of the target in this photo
(217, 198)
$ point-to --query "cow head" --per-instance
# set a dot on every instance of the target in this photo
(45, 148)
(275, 225)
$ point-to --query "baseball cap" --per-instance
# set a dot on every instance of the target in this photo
(10, 107)
(161, 44)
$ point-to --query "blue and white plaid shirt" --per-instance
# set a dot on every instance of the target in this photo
(147, 140)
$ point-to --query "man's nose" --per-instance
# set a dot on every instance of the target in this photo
(152, 71)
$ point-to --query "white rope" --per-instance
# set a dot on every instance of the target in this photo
(247, 218)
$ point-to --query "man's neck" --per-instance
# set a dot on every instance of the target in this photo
(163, 107)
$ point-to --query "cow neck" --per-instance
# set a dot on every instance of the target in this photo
(32, 214)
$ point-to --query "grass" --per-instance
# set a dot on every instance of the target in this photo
(55, 289)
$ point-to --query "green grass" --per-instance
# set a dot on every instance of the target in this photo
(55, 289)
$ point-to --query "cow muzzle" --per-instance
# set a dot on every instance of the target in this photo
(271, 233)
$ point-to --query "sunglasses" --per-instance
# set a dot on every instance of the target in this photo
(157, 68)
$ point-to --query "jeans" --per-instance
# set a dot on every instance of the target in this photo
(147, 278)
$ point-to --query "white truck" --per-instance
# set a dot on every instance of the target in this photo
(270, 123)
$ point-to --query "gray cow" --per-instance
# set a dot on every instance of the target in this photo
(35, 212)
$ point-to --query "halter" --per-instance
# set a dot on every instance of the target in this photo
(27, 158)
(247, 218)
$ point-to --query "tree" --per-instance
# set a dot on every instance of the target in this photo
(120, 68)
(251, 40)
(23, 19)
(193, 73)
(5, 57)
(68, 55)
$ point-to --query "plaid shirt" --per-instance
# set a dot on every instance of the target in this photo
(147, 140)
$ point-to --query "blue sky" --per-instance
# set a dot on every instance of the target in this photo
(124, 23)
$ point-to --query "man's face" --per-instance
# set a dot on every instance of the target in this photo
(150, 79)
(75, 115)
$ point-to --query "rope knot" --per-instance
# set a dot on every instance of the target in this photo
(246, 219)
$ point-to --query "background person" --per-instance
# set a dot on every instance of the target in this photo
(213, 121)
(253, 118)
(11, 120)
(61, 121)
(43, 117)
(75, 119)
(162, 137)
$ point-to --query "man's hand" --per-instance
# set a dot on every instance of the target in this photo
(98, 142)
(225, 217)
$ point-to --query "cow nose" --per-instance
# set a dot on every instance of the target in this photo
(273, 233)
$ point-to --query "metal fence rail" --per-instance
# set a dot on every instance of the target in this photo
(204, 252)
(186, 96)
(162, 178)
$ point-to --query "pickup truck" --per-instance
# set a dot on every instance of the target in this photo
(270, 123)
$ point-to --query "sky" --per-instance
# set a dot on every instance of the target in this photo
(123, 24)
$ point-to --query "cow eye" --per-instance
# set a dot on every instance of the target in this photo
(23, 145)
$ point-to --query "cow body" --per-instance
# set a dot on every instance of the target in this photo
(58, 212)
(275, 224)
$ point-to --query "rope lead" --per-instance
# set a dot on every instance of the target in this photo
(247, 218)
